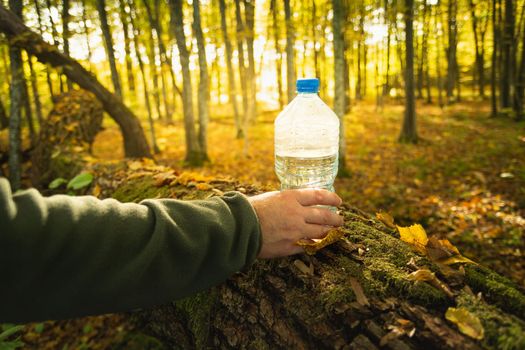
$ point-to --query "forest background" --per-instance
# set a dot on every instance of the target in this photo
(430, 94)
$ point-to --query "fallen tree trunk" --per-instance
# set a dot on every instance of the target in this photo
(355, 294)
(135, 144)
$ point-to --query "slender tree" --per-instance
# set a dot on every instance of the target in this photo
(15, 113)
(520, 81)
(232, 93)
(290, 56)
(34, 90)
(86, 33)
(278, 52)
(41, 31)
(339, 68)
(124, 16)
(240, 56)
(108, 44)
(203, 94)
(479, 28)
(136, 34)
(249, 13)
(66, 17)
(507, 74)
(409, 131)
(194, 155)
(494, 69)
(452, 73)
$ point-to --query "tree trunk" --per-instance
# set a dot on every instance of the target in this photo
(279, 61)
(41, 31)
(136, 35)
(232, 92)
(339, 74)
(123, 14)
(451, 49)
(194, 155)
(66, 33)
(354, 294)
(507, 77)
(409, 131)
(290, 56)
(240, 57)
(4, 121)
(34, 89)
(135, 144)
(249, 13)
(493, 71)
(204, 94)
(16, 97)
(108, 44)
(86, 33)
(388, 23)
(520, 82)
(55, 40)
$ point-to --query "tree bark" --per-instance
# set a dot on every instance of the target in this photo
(203, 94)
(249, 14)
(232, 91)
(108, 44)
(136, 35)
(135, 144)
(409, 131)
(16, 97)
(520, 82)
(194, 153)
(66, 33)
(452, 73)
(507, 77)
(123, 14)
(339, 74)
(353, 294)
(494, 68)
(290, 56)
(240, 57)
(4, 121)
(278, 52)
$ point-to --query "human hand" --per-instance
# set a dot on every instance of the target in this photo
(291, 215)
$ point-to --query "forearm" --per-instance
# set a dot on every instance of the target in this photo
(65, 256)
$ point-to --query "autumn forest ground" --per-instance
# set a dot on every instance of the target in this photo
(464, 180)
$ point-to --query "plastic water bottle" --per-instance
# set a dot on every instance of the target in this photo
(306, 140)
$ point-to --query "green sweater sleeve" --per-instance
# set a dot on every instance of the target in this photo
(63, 256)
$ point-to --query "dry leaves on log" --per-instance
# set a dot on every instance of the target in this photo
(312, 246)
(426, 275)
(399, 328)
(467, 323)
(358, 291)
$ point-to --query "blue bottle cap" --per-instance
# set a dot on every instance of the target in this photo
(309, 85)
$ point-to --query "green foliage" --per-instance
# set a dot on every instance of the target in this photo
(8, 330)
(80, 181)
(56, 183)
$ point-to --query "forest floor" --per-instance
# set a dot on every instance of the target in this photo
(464, 180)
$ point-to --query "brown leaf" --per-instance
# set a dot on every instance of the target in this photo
(426, 275)
(467, 323)
(311, 246)
(386, 219)
(358, 291)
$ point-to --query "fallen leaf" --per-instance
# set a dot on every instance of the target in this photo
(386, 219)
(358, 291)
(399, 328)
(467, 323)
(303, 268)
(457, 259)
(414, 235)
(426, 275)
(311, 246)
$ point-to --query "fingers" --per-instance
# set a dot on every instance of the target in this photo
(322, 216)
(314, 196)
(312, 231)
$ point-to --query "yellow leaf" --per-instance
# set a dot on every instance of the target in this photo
(414, 235)
(468, 323)
(203, 186)
(426, 275)
(457, 259)
(311, 246)
(386, 219)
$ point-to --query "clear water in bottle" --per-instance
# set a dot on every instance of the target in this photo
(306, 140)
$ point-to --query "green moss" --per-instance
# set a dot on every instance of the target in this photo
(197, 310)
(502, 331)
(496, 288)
(141, 188)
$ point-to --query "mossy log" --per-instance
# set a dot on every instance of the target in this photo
(354, 294)
(66, 137)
